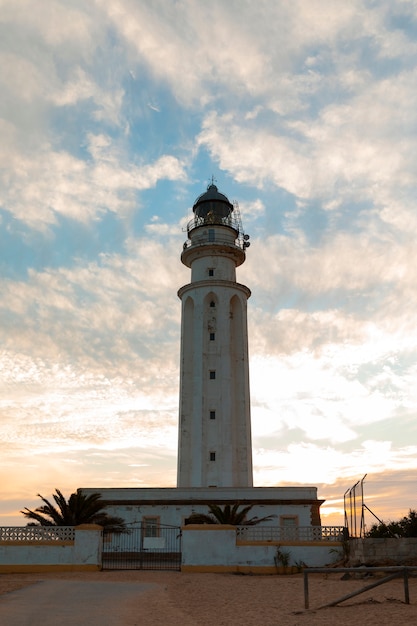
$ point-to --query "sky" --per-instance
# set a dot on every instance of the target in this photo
(114, 116)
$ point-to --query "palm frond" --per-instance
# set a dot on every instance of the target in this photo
(79, 509)
(228, 515)
(201, 518)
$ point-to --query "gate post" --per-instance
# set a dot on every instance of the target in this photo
(141, 546)
(88, 546)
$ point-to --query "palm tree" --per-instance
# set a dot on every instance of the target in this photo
(228, 515)
(80, 509)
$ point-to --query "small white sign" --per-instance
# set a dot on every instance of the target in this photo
(152, 543)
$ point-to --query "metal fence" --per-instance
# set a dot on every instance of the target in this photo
(355, 509)
(134, 550)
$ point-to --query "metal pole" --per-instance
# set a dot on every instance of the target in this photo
(406, 590)
(344, 506)
(359, 591)
(354, 507)
(306, 599)
(362, 530)
(142, 527)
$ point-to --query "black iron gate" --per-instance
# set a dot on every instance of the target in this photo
(134, 550)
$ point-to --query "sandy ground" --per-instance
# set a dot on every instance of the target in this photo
(223, 599)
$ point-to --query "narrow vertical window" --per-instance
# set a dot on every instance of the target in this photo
(211, 271)
(212, 336)
(212, 456)
(212, 304)
(212, 415)
(212, 374)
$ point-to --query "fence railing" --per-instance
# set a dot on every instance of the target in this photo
(207, 220)
(37, 533)
(392, 571)
(296, 533)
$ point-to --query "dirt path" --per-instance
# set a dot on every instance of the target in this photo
(148, 598)
(73, 602)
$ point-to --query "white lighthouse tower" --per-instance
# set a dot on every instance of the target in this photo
(214, 448)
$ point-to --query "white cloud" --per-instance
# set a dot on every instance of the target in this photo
(103, 316)
(307, 104)
(181, 36)
(349, 151)
(319, 395)
(256, 46)
(253, 210)
(37, 191)
(327, 465)
(57, 24)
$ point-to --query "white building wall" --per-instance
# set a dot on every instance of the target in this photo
(173, 506)
(172, 515)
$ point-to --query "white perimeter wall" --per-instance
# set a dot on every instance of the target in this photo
(84, 553)
(216, 549)
(370, 551)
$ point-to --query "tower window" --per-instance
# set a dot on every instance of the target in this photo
(212, 456)
(212, 415)
(211, 271)
(212, 304)
(212, 374)
(212, 336)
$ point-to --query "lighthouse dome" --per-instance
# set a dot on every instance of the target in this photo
(212, 205)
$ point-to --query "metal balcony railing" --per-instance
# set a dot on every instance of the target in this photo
(210, 220)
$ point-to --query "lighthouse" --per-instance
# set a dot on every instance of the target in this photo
(214, 464)
(214, 444)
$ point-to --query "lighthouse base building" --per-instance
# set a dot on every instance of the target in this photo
(159, 507)
(214, 434)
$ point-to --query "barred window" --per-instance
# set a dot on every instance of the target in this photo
(150, 526)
